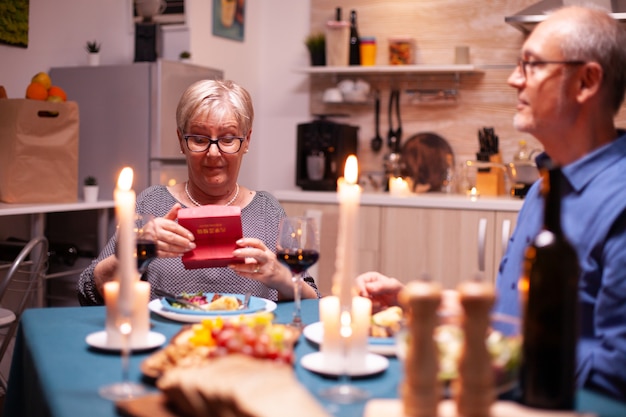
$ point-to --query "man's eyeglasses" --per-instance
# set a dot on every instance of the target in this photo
(225, 144)
(523, 65)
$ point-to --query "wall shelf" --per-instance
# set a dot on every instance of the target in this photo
(392, 69)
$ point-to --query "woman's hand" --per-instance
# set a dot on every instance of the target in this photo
(172, 240)
(381, 289)
(262, 265)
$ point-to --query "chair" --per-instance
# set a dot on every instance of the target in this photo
(27, 269)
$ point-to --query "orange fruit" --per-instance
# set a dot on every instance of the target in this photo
(36, 91)
(56, 91)
(42, 78)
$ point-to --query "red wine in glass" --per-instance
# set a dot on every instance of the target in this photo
(146, 252)
(297, 260)
(297, 248)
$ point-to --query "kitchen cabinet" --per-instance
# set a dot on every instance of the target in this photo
(447, 245)
(408, 242)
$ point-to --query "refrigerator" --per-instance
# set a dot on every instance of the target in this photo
(127, 117)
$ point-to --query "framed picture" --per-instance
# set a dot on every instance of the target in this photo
(228, 19)
(14, 22)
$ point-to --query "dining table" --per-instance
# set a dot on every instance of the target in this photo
(56, 373)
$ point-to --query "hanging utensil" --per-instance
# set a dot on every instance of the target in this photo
(377, 141)
(394, 135)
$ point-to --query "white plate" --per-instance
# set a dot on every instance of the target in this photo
(156, 306)
(314, 332)
(99, 340)
(373, 364)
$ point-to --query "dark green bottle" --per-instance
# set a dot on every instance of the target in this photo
(549, 290)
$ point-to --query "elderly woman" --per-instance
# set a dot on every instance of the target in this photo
(214, 126)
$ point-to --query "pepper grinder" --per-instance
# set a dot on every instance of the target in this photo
(475, 391)
(420, 389)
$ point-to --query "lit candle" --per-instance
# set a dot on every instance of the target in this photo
(398, 186)
(126, 247)
(473, 194)
(140, 318)
(349, 194)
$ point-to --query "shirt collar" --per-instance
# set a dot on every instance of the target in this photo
(582, 171)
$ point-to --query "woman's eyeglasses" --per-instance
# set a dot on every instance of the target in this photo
(225, 144)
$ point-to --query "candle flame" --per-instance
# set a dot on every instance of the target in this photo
(125, 180)
(351, 171)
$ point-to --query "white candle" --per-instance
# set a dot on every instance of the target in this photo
(140, 318)
(349, 194)
(361, 317)
(398, 186)
(126, 247)
(331, 342)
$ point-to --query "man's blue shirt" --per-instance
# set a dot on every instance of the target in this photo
(593, 218)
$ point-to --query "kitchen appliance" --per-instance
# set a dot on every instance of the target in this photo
(321, 153)
(128, 118)
(526, 19)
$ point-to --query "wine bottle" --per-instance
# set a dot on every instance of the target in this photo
(549, 291)
(355, 42)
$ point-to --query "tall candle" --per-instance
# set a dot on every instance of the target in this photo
(349, 194)
(126, 248)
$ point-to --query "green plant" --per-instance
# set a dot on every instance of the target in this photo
(185, 55)
(92, 47)
(315, 42)
(91, 180)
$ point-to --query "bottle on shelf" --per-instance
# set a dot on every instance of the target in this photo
(355, 42)
(549, 296)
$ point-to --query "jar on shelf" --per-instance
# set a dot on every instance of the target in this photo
(401, 51)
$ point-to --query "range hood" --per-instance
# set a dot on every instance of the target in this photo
(525, 20)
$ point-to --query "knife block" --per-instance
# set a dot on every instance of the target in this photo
(491, 181)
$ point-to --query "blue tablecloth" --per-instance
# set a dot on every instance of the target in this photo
(55, 373)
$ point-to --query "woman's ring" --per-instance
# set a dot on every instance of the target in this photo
(256, 270)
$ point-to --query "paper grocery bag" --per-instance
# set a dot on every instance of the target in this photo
(38, 151)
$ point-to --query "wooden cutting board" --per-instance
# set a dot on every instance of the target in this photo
(447, 408)
(153, 405)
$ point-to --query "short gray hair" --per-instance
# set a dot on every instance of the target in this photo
(596, 36)
(217, 98)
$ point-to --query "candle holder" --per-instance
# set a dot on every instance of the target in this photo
(125, 389)
(345, 392)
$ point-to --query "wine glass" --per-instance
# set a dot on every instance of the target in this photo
(298, 249)
(146, 246)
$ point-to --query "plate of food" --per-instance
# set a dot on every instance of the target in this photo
(196, 344)
(212, 305)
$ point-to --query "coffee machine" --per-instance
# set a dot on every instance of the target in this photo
(322, 149)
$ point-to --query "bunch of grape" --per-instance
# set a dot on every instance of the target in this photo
(254, 336)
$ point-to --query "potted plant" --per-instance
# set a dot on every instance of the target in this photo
(90, 189)
(185, 56)
(316, 44)
(93, 50)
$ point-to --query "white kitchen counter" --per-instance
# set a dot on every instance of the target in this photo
(427, 200)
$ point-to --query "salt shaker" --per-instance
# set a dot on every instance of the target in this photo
(420, 390)
(475, 391)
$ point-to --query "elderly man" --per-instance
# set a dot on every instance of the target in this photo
(571, 79)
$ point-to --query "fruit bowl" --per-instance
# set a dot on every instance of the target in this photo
(503, 341)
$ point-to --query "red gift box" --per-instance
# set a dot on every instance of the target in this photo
(216, 229)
